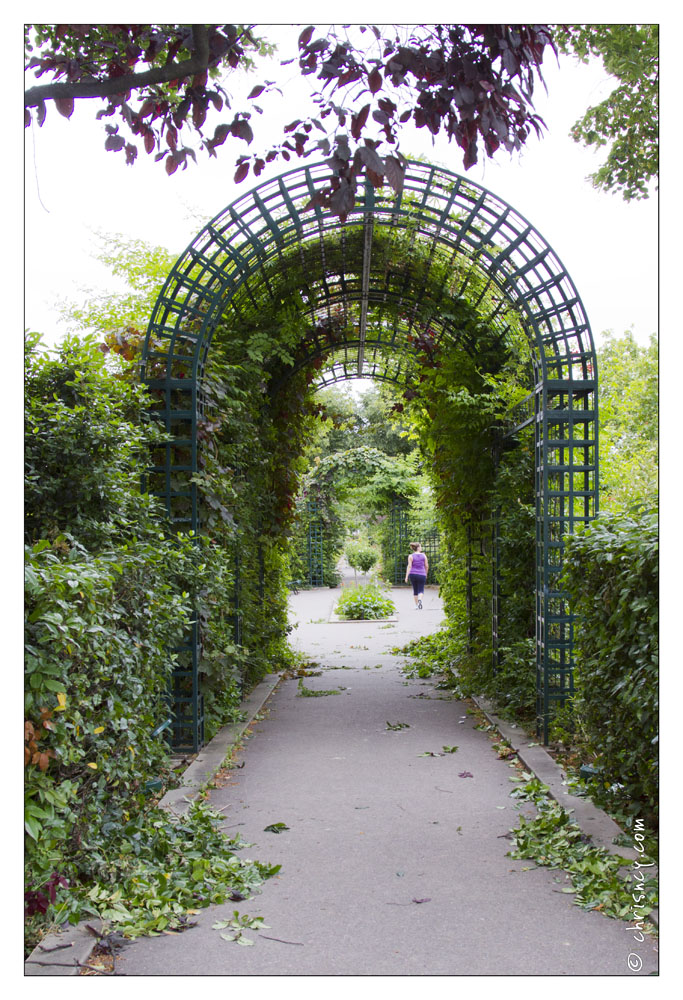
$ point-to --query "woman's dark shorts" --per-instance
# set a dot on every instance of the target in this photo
(418, 582)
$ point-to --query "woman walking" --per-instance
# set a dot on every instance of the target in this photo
(416, 573)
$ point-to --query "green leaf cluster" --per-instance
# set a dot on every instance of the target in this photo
(597, 877)
(361, 556)
(628, 120)
(611, 573)
(110, 594)
(368, 601)
(629, 407)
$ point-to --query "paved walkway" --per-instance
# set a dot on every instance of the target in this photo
(394, 863)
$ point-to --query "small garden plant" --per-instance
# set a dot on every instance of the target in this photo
(368, 601)
(361, 556)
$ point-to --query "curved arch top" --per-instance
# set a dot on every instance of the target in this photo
(440, 208)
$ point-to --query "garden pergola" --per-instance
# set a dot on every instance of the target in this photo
(497, 259)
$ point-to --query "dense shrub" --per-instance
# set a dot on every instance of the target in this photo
(109, 595)
(368, 601)
(611, 573)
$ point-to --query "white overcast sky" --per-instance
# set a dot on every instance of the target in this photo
(73, 187)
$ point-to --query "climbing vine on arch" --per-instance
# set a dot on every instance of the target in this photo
(460, 378)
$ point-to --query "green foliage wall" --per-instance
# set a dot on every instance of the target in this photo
(105, 606)
(612, 575)
(463, 397)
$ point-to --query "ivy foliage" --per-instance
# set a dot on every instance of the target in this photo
(611, 573)
(106, 605)
(457, 402)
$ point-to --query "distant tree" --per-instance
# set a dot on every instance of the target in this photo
(629, 384)
(474, 81)
(143, 267)
(628, 120)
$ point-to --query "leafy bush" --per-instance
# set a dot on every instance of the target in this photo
(109, 596)
(364, 602)
(361, 556)
(611, 574)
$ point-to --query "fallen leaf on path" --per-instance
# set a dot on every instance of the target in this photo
(465, 774)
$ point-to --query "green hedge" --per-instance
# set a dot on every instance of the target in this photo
(611, 573)
(109, 594)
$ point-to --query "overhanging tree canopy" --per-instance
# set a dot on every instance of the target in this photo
(475, 81)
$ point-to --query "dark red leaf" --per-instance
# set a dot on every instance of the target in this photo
(241, 172)
(257, 91)
(198, 116)
(395, 173)
(358, 121)
(305, 36)
(375, 81)
(147, 108)
(65, 106)
(114, 142)
(470, 157)
(220, 135)
(342, 200)
(241, 129)
(371, 160)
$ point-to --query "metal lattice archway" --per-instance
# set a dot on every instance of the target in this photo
(491, 248)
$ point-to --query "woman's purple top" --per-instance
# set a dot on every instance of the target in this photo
(418, 564)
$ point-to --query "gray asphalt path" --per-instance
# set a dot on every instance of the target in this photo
(393, 863)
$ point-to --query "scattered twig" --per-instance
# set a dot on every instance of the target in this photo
(57, 947)
(75, 965)
(63, 965)
(269, 938)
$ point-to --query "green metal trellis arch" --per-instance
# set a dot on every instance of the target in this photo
(241, 246)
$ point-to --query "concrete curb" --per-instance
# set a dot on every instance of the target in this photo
(64, 951)
(210, 758)
(594, 822)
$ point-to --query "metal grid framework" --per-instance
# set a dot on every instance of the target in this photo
(405, 527)
(316, 546)
(364, 279)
